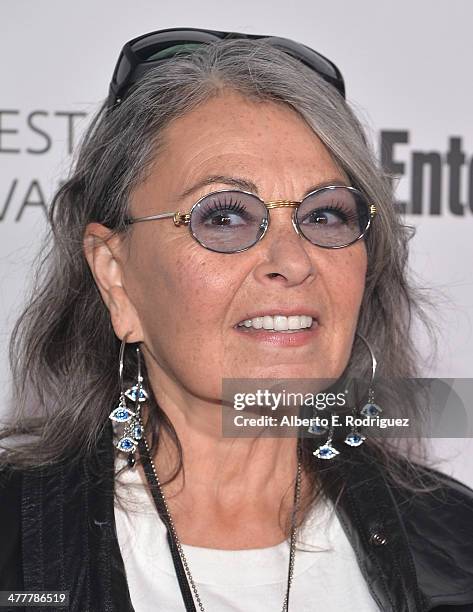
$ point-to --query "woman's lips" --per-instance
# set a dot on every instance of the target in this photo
(279, 338)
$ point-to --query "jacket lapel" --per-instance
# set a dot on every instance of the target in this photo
(69, 536)
(371, 521)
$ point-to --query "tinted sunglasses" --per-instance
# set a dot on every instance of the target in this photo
(143, 53)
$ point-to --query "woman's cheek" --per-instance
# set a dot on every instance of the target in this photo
(189, 305)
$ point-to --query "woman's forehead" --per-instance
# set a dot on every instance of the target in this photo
(231, 122)
(225, 137)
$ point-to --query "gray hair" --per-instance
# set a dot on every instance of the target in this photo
(64, 352)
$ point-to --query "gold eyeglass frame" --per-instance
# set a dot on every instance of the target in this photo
(182, 218)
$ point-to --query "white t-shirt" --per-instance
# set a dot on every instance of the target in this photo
(326, 574)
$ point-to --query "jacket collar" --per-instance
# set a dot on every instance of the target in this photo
(70, 540)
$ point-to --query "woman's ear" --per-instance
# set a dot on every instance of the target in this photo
(102, 250)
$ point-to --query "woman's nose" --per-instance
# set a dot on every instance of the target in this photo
(284, 254)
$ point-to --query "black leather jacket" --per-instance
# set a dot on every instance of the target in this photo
(57, 532)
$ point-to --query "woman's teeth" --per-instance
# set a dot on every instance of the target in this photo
(278, 323)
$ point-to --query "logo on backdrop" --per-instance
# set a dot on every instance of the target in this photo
(440, 182)
(437, 180)
(32, 135)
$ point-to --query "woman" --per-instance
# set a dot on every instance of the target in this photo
(129, 496)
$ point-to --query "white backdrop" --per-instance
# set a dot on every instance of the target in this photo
(407, 67)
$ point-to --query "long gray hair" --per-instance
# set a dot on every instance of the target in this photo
(64, 352)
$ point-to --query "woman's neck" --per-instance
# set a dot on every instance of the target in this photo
(238, 492)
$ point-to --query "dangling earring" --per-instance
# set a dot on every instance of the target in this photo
(326, 451)
(370, 409)
(133, 430)
(354, 437)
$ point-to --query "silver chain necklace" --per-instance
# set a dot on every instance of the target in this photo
(292, 547)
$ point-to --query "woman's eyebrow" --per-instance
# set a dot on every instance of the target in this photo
(330, 182)
(247, 184)
(232, 181)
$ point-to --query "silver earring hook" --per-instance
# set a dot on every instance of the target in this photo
(138, 355)
(374, 362)
(120, 365)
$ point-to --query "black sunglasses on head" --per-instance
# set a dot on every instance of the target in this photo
(147, 51)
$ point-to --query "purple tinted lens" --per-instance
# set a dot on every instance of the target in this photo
(228, 221)
(333, 216)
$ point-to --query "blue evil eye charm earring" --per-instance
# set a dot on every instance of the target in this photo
(131, 419)
(354, 438)
(326, 451)
(317, 430)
